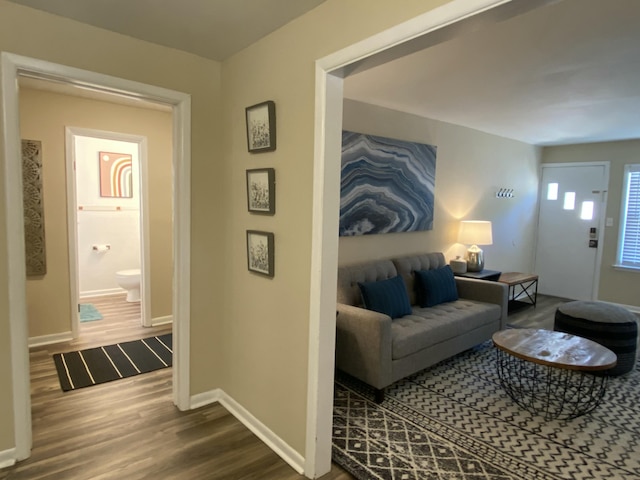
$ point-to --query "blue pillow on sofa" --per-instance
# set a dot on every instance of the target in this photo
(436, 286)
(386, 296)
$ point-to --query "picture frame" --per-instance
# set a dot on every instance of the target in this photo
(260, 252)
(261, 127)
(261, 191)
(116, 172)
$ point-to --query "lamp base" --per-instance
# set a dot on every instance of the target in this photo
(475, 259)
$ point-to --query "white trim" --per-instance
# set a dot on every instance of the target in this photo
(181, 251)
(72, 218)
(102, 293)
(145, 235)
(50, 339)
(626, 268)
(156, 321)
(206, 398)
(266, 435)
(324, 261)
(15, 257)
(72, 231)
(7, 458)
(11, 66)
(260, 430)
(324, 216)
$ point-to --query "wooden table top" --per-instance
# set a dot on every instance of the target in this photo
(515, 278)
(555, 349)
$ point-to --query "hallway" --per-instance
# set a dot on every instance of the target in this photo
(130, 428)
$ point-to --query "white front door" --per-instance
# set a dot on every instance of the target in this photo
(572, 203)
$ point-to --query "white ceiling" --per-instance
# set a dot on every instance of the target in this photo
(214, 29)
(564, 73)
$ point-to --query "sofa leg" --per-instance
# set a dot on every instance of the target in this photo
(379, 395)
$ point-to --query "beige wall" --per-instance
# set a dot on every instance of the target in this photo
(44, 116)
(249, 334)
(470, 168)
(40, 35)
(266, 321)
(617, 286)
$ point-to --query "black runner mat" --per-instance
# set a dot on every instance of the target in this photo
(93, 366)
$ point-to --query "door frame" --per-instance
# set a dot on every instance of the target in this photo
(601, 221)
(13, 66)
(72, 217)
(330, 72)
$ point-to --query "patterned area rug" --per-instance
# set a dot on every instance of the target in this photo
(454, 421)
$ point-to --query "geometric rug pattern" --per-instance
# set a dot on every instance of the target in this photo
(454, 421)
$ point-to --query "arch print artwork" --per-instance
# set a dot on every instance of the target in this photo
(116, 170)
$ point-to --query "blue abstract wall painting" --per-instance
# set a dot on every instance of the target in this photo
(386, 185)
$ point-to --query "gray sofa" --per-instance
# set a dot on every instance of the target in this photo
(379, 350)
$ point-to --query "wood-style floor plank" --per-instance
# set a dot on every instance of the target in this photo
(129, 428)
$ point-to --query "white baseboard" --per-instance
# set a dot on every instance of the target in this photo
(206, 398)
(7, 458)
(161, 320)
(275, 443)
(49, 339)
(102, 293)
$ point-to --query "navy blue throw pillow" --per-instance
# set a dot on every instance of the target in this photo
(436, 286)
(386, 296)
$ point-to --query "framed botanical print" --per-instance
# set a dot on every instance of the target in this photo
(261, 127)
(260, 250)
(261, 191)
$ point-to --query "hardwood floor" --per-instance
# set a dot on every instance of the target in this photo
(130, 429)
(542, 316)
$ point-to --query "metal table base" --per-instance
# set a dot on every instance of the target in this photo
(551, 392)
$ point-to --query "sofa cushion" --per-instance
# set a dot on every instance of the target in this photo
(350, 275)
(432, 325)
(407, 265)
(436, 286)
(386, 296)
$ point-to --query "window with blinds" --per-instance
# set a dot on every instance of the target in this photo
(629, 238)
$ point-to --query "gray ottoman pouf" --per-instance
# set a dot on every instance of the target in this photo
(609, 325)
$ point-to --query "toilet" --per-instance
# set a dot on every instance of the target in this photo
(130, 281)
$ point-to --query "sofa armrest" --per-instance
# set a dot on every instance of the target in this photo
(363, 344)
(485, 291)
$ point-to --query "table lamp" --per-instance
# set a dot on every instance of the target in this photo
(474, 233)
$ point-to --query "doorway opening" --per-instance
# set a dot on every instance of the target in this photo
(12, 68)
(109, 230)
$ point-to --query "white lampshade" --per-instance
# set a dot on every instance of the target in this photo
(475, 232)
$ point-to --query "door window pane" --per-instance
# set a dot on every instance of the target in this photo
(569, 200)
(586, 213)
(552, 191)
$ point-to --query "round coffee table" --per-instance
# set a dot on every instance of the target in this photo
(553, 374)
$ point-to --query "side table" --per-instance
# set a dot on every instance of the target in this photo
(520, 284)
(485, 274)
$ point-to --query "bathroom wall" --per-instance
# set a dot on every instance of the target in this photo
(105, 222)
